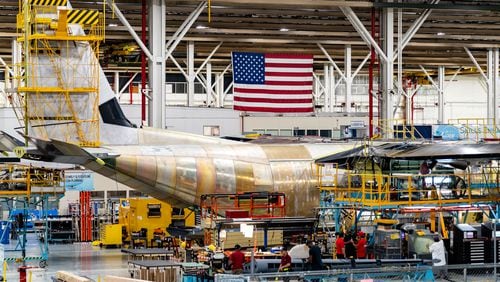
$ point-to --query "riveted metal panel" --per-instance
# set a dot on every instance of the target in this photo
(146, 170)
(295, 179)
(166, 172)
(225, 178)
(220, 152)
(288, 152)
(263, 177)
(205, 177)
(194, 151)
(186, 179)
(249, 153)
(127, 164)
(244, 176)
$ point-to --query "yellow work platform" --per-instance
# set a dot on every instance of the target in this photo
(393, 191)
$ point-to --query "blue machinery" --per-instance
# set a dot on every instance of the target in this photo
(29, 193)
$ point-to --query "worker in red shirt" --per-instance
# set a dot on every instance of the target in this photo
(361, 246)
(340, 246)
(286, 261)
(236, 259)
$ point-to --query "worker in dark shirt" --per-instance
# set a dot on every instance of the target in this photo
(315, 259)
(350, 248)
(237, 258)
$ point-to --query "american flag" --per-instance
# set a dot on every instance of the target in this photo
(277, 83)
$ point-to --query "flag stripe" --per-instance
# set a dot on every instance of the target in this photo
(270, 91)
(288, 65)
(288, 61)
(289, 83)
(273, 87)
(274, 96)
(286, 78)
(294, 74)
(289, 56)
(269, 100)
(273, 110)
(289, 70)
(273, 105)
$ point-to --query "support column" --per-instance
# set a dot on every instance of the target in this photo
(156, 67)
(116, 83)
(490, 84)
(326, 71)
(440, 90)
(191, 73)
(16, 63)
(388, 72)
(496, 84)
(221, 91)
(408, 100)
(332, 87)
(217, 90)
(348, 78)
(209, 84)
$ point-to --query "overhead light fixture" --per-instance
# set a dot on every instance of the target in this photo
(201, 27)
(284, 29)
(112, 24)
(440, 34)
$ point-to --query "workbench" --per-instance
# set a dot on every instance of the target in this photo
(152, 254)
(155, 270)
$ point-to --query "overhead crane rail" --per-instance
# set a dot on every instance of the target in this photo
(381, 191)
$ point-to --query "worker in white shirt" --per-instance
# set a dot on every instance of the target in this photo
(438, 258)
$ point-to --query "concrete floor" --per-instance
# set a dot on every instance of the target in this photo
(79, 258)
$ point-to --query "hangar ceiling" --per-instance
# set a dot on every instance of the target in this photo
(298, 26)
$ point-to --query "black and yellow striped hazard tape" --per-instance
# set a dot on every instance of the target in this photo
(49, 2)
(87, 17)
(25, 259)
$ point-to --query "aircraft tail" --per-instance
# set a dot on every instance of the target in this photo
(68, 95)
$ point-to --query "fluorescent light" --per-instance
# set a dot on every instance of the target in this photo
(440, 34)
(112, 24)
(201, 27)
(284, 29)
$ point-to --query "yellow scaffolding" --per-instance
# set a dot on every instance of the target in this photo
(379, 191)
(399, 129)
(22, 180)
(58, 77)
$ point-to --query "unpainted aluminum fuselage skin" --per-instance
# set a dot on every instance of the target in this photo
(181, 173)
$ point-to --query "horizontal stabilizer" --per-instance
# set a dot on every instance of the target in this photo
(8, 143)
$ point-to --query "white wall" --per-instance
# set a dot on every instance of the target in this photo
(464, 97)
(193, 119)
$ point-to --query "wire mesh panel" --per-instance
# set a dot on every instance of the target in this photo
(231, 278)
